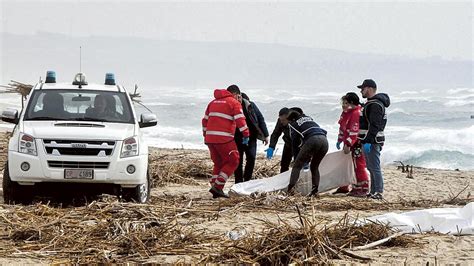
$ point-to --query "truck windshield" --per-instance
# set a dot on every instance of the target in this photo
(79, 105)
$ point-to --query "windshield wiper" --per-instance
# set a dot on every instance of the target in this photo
(90, 119)
(46, 118)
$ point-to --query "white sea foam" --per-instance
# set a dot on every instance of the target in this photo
(409, 92)
(460, 90)
(457, 103)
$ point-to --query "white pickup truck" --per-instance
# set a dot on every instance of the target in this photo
(83, 136)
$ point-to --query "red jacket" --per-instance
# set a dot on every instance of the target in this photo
(223, 115)
(349, 126)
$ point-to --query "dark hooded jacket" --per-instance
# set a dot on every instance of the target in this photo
(255, 122)
(373, 119)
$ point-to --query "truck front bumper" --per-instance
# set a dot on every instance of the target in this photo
(40, 169)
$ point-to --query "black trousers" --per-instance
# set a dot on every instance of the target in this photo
(250, 152)
(314, 149)
(286, 158)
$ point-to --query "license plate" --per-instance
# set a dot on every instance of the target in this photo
(78, 173)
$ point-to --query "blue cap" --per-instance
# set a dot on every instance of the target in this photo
(50, 77)
(109, 79)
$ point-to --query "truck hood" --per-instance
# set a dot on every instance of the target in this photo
(78, 130)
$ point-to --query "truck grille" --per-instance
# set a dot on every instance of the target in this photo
(79, 147)
(73, 164)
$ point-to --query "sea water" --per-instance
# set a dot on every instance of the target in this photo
(427, 128)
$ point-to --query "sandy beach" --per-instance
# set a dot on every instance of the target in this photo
(180, 191)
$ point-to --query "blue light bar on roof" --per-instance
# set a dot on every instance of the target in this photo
(109, 79)
(50, 77)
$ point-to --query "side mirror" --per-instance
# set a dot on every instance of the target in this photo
(147, 120)
(10, 116)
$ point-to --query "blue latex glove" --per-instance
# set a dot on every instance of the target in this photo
(269, 151)
(367, 148)
(306, 166)
(245, 141)
(338, 145)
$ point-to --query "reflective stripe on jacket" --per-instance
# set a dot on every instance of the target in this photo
(223, 115)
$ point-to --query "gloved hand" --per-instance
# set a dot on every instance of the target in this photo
(245, 141)
(306, 166)
(367, 147)
(269, 151)
(338, 145)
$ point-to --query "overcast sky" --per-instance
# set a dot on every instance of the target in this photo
(417, 29)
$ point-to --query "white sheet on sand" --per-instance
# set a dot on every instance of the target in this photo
(336, 169)
(459, 221)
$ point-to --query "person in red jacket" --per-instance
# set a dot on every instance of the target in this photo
(348, 131)
(223, 115)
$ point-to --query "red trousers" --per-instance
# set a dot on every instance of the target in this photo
(362, 177)
(226, 158)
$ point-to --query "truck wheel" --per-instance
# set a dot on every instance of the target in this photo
(140, 193)
(14, 193)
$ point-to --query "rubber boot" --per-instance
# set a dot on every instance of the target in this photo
(217, 193)
(291, 190)
(314, 192)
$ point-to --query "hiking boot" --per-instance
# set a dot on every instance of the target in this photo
(377, 196)
(340, 191)
(217, 193)
(359, 193)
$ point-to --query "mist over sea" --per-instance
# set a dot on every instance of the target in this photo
(428, 128)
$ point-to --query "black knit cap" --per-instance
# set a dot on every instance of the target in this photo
(283, 111)
(297, 109)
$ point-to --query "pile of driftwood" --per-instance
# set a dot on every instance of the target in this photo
(112, 231)
(308, 242)
(107, 231)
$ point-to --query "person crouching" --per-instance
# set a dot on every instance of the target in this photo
(313, 147)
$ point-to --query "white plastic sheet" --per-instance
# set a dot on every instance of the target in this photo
(459, 221)
(336, 169)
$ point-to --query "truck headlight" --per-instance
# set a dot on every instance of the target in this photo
(27, 144)
(129, 147)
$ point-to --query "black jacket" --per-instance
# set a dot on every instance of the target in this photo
(280, 129)
(301, 130)
(373, 119)
(255, 121)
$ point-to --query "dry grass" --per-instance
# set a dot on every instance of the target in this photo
(307, 242)
(103, 231)
(112, 231)
(185, 166)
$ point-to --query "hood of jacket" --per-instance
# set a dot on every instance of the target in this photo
(220, 93)
(383, 98)
(356, 108)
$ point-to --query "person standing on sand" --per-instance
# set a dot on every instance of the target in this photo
(258, 130)
(372, 124)
(348, 131)
(223, 115)
(313, 147)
